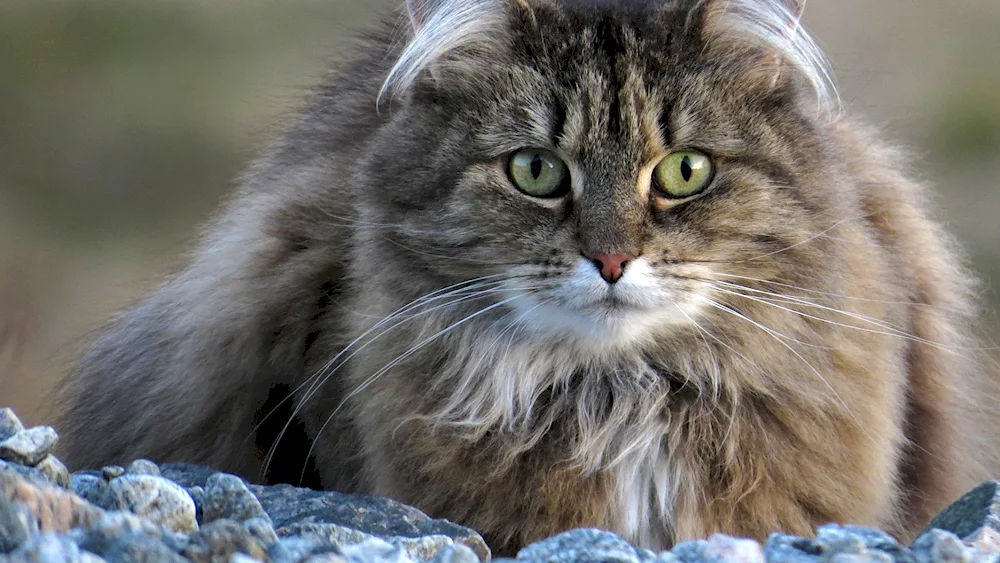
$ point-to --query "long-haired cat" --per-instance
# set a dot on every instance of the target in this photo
(532, 265)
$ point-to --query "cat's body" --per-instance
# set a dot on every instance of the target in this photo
(787, 347)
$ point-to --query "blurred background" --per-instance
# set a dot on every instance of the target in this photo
(122, 123)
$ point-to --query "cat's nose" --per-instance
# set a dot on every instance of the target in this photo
(611, 266)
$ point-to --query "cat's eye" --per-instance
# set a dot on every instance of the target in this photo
(683, 174)
(539, 173)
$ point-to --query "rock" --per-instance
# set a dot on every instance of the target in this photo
(9, 424)
(978, 510)
(378, 517)
(143, 467)
(110, 472)
(16, 525)
(423, 548)
(732, 550)
(197, 494)
(101, 536)
(221, 539)
(262, 530)
(140, 548)
(54, 509)
(50, 548)
(583, 546)
(227, 496)
(90, 487)
(939, 546)
(783, 548)
(295, 550)
(28, 447)
(690, 551)
(160, 501)
(30, 473)
(54, 469)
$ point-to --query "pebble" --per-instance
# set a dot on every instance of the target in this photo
(143, 467)
(54, 509)
(28, 447)
(724, 548)
(90, 487)
(9, 424)
(16, 525)
(262, 530)
(227, 496)
(55, 471)
(140, 548)
(50, 548)
(110, 472)
(157, 499)
(221, 539)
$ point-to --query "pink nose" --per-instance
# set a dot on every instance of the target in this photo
(611, 266)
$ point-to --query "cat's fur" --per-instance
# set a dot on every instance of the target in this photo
(789, 348)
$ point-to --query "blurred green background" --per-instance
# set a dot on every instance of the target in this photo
(122, 122)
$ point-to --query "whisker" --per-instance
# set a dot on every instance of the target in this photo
(841, 295)
(780, 339)
(443, 293)
(890, 330)
(326, 375)
(371, 379)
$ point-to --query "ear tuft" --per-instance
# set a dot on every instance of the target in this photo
(420, 12)
(444, 29)
(731, 26)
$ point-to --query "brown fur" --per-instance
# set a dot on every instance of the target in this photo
(832, 382)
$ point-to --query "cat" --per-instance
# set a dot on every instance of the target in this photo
(533, 265)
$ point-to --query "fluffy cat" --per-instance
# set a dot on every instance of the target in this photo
(533, 265)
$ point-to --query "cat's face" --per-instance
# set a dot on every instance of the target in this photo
(613, 161)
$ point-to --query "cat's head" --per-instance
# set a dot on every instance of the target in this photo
(609, 161)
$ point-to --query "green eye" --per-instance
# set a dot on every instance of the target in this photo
(683, 174)
(539, 173)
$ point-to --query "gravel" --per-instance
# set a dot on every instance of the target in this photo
(180, 512)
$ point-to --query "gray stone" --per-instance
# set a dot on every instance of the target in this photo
(219, 540)
(422, 548)
(140, 548)
(55, 471)
(690, 551)
(375, 516)
(456, 553)
(262, 530)
(9, 424)
(583, 546)
(733, 550)
(157, 499)
(939, 546)
(241, 558)
(110, 472)
(297, 549)
(142, 467)
(978, 509)
(99, 537)
(197, 494)
(16, 525)
(90, 487)
(28, 447)
(227, 496)
(783, 548)
(48, 548)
